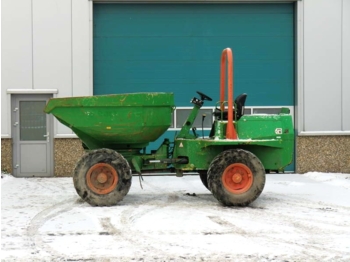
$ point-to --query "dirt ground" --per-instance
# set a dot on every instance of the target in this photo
(296, 218)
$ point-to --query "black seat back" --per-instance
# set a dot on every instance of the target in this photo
(239, 105)
(239, 108)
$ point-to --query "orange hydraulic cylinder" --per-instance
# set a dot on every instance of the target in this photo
(226, 57)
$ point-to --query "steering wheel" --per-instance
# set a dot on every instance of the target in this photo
(204, 96)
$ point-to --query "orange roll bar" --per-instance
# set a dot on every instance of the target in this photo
(226, 55)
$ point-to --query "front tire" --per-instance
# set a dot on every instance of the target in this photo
(236, 177)
(102, 177)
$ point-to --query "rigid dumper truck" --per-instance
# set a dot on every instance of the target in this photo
(231, 161)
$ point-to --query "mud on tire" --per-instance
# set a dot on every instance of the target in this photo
(203, 175)
(239, 165)
(102, 177)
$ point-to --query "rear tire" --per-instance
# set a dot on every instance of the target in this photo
(236, 177)
(102, 177)
(203, 174)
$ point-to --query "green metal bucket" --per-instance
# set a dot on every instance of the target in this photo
(118, 121)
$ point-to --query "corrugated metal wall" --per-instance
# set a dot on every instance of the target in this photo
(177, 48)
(325, 97)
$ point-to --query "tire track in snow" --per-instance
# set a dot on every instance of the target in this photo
(270, 209)
(148, 241)
(35, 239)
(146, 244)
(303, 226)
(310, 221)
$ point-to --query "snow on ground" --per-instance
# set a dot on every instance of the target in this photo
(296, 218)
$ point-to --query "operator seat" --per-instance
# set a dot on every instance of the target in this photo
(238, 110)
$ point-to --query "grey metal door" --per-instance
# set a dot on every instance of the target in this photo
(32, 136)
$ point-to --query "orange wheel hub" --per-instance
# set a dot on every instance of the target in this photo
(237, 178)
(102, 178)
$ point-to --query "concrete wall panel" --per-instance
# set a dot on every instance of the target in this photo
(81, 47)
(346, 66)
(52, 42)
(52, 48)
(16, 44)
(322, 65)
(16, 54)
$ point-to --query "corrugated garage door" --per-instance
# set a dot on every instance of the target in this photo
(177, 48)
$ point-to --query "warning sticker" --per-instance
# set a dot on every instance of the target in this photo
(278, 131)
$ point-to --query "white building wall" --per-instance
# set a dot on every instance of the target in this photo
(346, 66)
(52, 48)
(326, 52)
(46, 48)
(16, 54)
(81, 47)
(52, 45)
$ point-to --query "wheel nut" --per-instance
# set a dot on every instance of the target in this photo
(102, 178)
(237, 178)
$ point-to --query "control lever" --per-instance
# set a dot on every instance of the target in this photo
(203, 116)
(194, 131)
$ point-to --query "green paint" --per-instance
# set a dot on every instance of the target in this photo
(115, 121)
(184, 133)
(269, 137)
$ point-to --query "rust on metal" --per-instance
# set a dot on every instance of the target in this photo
(226, 58)
(237, 178)
(102, 178)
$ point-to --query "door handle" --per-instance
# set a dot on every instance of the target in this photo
(47, 136)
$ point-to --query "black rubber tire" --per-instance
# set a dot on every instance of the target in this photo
(216, 171)
(108, 156)
(203, 175)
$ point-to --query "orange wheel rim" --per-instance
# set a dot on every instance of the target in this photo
(237, 178)
(102, 178)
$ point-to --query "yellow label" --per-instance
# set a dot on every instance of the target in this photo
(108, 127)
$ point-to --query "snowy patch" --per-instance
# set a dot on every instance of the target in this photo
(296, 218)
(335, 179)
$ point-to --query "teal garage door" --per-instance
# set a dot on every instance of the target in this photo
(177, 48)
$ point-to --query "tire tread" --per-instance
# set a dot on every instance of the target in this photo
(111, 157)
(219, 164)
